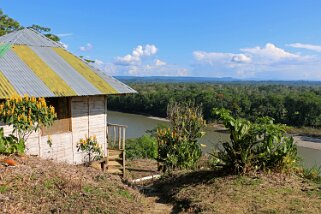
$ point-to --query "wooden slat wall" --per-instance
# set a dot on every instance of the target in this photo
(90, 124)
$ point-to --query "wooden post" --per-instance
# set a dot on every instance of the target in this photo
(114, 136)
(124, 137)
(119, 138)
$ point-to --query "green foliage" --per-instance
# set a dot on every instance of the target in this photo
(178, 146)
(8, 25)
(46, 32)
(296, 104)
(144, 147)
(255, 145)
(313, 173)
(10, 144)
(26, 115)
(91, 147)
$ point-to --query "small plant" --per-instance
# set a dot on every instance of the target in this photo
(91, 147)
(178, 146)
(26, 115)
(10, 144)
(255, 145)
(313, 173)
(142, 147)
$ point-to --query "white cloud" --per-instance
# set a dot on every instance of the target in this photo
(86, 47)
(98, 62)
(159, 62)
(137, 54)
(64, 34)
(241, 58)
(310, 47)
(267, 62)
(269, 52)
(63, 45)
(218, 57)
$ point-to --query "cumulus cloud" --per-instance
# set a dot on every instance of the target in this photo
(310, 47)
(142, 61)
(270, 52)
(159, 62)
(264, 62)
(86, 47)
(137, 54)
(217, 57)
(61, 35)
(63, 45)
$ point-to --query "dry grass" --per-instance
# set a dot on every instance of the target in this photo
(140, 168)
(214, 192)
(40, 186)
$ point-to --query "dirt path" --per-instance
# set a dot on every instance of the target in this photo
(158, 208)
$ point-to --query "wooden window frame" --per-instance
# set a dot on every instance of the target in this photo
(60, 125)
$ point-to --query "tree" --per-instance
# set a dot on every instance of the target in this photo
(46, 32)
(178, 146)
(8, 25)
(26, 115)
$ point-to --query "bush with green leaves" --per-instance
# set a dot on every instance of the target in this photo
(260, 145)
(144, 147)
(26, 115)
(178, 146)
(10, 144)
(91, 147)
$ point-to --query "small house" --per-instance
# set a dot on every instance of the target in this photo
(33, 65)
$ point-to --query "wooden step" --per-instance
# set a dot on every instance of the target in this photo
(115, 170)
(112, 152)
(115, 157)
(115, 163)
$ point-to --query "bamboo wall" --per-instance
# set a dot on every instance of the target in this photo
(88, 118)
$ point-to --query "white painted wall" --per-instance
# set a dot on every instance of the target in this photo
(86, 120)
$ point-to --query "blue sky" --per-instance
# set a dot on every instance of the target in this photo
(246, 39)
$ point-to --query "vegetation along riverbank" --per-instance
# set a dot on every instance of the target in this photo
(295, 105)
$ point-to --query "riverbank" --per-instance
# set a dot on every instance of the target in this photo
(308, 142)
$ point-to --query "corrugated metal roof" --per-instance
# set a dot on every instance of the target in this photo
(21, 77)
(28, 37)
(39, 67)
(77, 82)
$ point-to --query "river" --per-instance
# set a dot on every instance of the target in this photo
(139, 124)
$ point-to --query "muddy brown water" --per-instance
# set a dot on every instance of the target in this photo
(139, 124)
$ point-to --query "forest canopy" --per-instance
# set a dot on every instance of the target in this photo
(289, 104)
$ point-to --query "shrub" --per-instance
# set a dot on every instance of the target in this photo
(313, 173)
(178, 146)
(26, 115)
(11, 144)
(91, 147)
(255, 145)
(144, 147)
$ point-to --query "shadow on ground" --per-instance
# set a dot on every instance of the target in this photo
(166, 188)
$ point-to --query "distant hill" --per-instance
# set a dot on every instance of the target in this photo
(173, 79)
